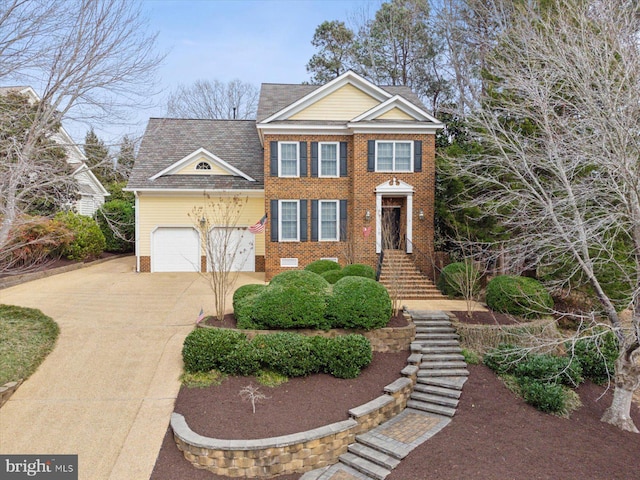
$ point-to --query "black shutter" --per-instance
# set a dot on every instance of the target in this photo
(417, 156)
(314, 159)
(303, 159)
(343, 220)
(314, 220)
(274, 159)
(303, 221)
(371, 156)
(343, 159)
(274, 220)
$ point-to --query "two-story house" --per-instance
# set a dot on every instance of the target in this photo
(342, 171)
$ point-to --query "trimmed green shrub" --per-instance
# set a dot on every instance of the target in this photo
(289, 307)
(347, 355)
(359, 303)
(359, 270)
(455, 276)
(546, 397)
(550, 369)
(303, 279)
(288, 353)
(332, 276)
(520, 296)
(207, 348)
(243, 304)
(504, 359)
(320, 349)
(322, 266)
(243, 360)
(88, 241)
(597, 357)
(117, 223)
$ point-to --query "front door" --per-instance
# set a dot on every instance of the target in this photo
(391, 227)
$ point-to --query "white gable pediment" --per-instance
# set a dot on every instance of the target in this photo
(394, 187)
(188, 164)
(396, 105)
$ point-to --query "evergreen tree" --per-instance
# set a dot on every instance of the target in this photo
(335, 56)
(98, 158)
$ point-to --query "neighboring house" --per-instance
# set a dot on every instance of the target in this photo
(330, 165)
(91, 193)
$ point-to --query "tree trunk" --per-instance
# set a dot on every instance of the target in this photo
(627, 379)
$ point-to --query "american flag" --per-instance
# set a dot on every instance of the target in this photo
(200, 316)
(258, 227)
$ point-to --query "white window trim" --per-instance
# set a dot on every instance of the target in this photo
(280, 239)
(337, 237)
(393, 161)
(337, 174)
(297, 144)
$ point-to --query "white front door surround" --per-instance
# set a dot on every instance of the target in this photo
(394, 188)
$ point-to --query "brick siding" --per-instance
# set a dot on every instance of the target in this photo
(358, 188)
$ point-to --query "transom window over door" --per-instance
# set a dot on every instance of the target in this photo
(289, 221)
(329, 220)
(329, 159)
(289, 164)
(393, 156)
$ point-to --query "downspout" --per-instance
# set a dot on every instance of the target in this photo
(137, 222)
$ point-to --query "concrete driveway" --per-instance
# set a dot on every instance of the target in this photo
(107, 390)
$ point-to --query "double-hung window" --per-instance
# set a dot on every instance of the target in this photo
(394, 156)
(289, 221)
(288, 156)
(328, 159)
(329, 220)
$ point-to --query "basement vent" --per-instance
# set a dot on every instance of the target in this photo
(289, 262)
(333, 259)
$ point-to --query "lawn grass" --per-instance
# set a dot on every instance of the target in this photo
(26, 337)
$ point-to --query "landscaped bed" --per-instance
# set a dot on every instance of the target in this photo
(494, 435)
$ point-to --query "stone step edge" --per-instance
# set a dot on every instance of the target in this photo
(374, 455)
(364, 466)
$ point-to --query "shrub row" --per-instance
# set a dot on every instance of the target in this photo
(303, 299)
(543, 379)
(287, 353)
(332, 272)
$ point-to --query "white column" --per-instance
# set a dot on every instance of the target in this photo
(378, 222)
(410, 223)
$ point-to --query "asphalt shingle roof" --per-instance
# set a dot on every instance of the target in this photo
(166, 141)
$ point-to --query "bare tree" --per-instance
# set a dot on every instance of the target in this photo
(217, 221)
(214, 100)
(560, 167)
(90, 60)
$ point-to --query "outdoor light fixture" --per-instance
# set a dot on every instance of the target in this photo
(367, 216)
(421, 214)
(203, 222)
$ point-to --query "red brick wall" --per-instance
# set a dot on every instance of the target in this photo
(358, 188)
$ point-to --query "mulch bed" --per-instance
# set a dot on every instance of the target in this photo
(494, 435)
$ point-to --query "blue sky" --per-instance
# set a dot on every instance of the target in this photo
(256, 41)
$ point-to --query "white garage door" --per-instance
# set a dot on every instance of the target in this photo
(239, 252)
(175, 250)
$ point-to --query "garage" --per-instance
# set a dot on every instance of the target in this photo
(175, 249)
(239, 252)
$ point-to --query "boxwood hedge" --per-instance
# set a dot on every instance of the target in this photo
(360, 303)
(206, 349)
(322, 266)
